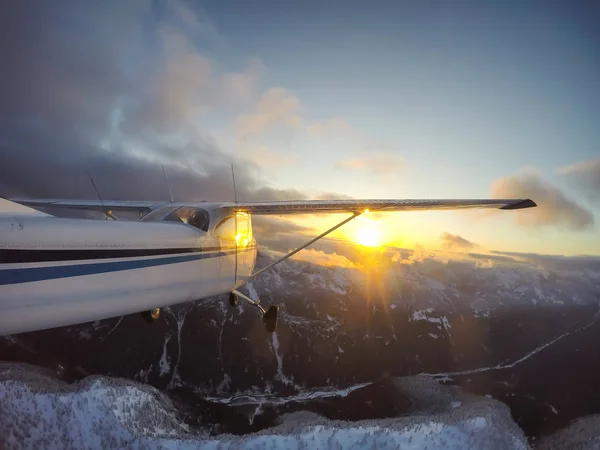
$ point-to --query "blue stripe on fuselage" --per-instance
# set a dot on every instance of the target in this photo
(27, 275)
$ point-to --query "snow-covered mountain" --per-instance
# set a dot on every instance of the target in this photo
(38, 410)
(446, 282)
(465, 318)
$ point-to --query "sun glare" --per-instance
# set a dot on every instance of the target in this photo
(368, 235)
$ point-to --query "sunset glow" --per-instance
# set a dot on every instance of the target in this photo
(369, 234)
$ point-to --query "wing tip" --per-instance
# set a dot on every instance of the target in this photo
(521, 204)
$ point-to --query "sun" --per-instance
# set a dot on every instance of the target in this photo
(368, 235)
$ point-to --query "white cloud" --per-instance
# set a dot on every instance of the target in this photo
(276, 107)
(454, 241)
(376, 163)
(554, 207)
(321, 258)
(240, 87)
(327, 127)
(265, 157)
(585, 175)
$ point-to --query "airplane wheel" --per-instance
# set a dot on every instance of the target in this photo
(151, 315)
(270, 318)
(233, 299)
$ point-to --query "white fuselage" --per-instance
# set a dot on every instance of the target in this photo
(61, 271)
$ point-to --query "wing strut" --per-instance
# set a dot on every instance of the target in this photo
(270, 314)
(312, 241)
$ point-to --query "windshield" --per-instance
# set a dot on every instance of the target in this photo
(196, 217)
(158, 215)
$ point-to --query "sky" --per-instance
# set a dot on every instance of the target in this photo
(412, 99)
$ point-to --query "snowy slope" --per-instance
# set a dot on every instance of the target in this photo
(446, 282)
(39, 411)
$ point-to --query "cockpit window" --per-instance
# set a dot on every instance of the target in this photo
(195, 217)
(158, 215)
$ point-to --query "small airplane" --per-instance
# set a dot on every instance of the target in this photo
(57, 271)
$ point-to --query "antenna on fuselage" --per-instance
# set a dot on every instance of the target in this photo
(234, 188)
(236, 228)
(107, 213)
(167, 183)
(96, 189)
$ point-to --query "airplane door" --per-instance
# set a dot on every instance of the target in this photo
(238, 248)
(225, 232)
(246, 247)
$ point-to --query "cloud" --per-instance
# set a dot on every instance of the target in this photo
(270, 226)
(328, 127)
(116, 95)
(321, 258)
(332, 196)
(375, 163)
(454, 241)
(280, 108)
(240, 87)
(265, 157)
(184, 87)
(585, 175)
(554, 207)
(555, 262)
(276, 107)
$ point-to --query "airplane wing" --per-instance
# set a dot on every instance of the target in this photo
(90, 205)
(340, 206)
(290, 207)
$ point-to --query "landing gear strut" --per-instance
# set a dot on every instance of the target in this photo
(269, 316)
(151, 315)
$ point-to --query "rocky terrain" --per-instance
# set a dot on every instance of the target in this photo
(522, 329)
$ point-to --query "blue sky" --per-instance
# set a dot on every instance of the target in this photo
(462, 94)
(480, 89)
(411, 99)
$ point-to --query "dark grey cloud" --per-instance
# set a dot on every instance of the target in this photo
(555, 208)
(114, 89)
(62, 61)
(454, 241)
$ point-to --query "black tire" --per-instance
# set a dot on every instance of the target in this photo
(151, 315)
(270, 318)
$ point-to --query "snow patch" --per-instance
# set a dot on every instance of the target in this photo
(163, 365)
(255, 396)
(98, 412)
(251, 291)
(280, 375)
(421, 314)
